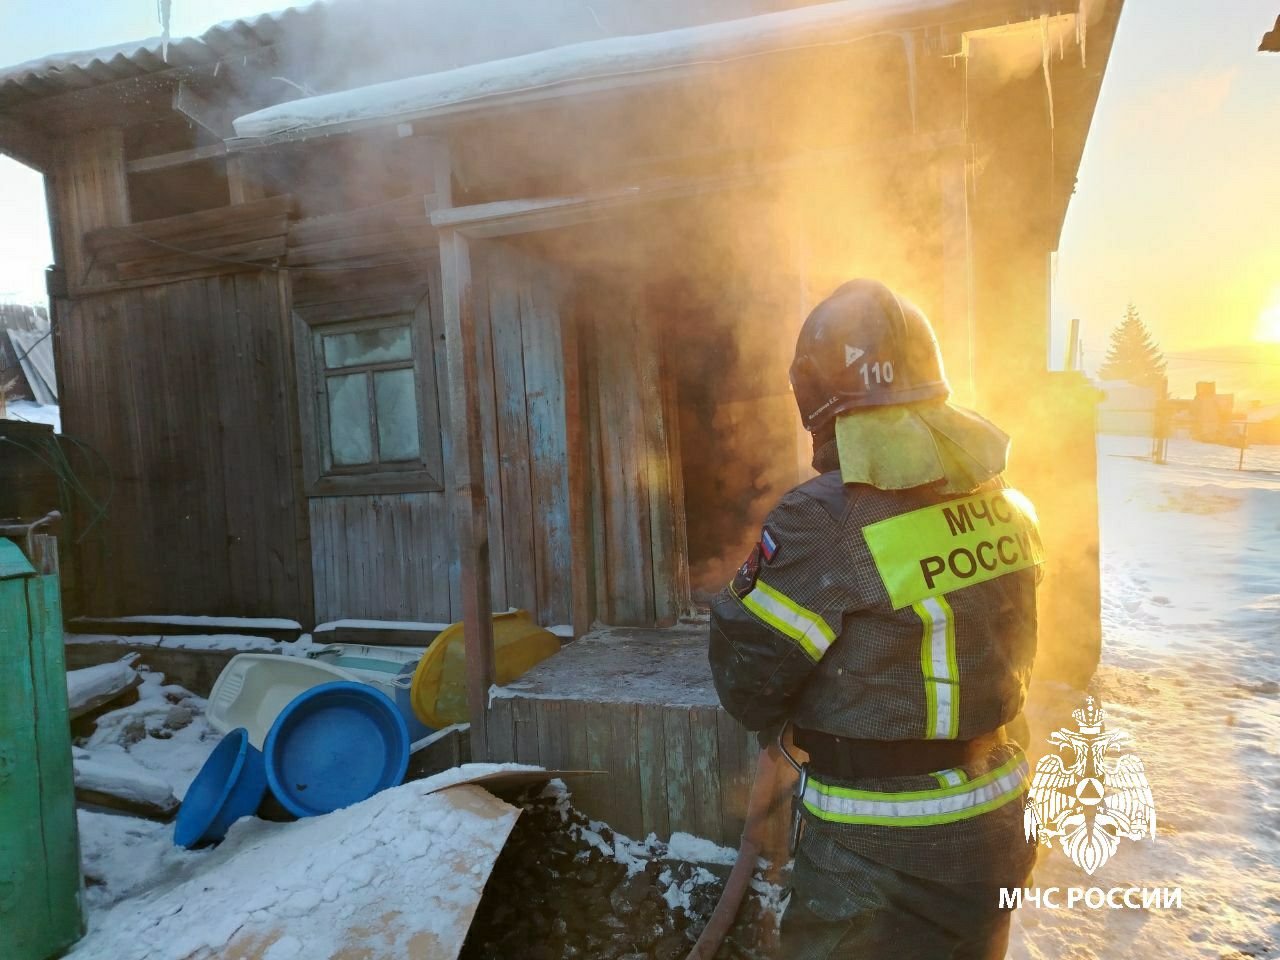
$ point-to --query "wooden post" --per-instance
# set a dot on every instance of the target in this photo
(471, 528)
(90, 190)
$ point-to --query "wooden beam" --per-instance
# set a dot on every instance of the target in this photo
(201, 112)
(471, 530)
(215, 227)
(178, 158)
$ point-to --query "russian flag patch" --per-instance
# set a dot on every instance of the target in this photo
(768, 545)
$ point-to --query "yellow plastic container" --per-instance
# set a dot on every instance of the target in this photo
(439, 691)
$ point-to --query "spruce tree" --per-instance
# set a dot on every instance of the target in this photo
(1133, 355)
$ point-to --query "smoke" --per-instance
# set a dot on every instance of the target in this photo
(859, 166)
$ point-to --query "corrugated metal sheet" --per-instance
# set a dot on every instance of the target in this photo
(35, 358)
(64, 72)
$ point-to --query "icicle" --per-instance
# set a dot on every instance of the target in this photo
(1044, 63)
(909, 50)
(1082, 30)
(163, 9)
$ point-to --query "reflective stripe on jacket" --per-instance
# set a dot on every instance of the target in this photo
(884, 615)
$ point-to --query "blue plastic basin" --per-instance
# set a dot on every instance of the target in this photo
(229, 786)
(335, 745)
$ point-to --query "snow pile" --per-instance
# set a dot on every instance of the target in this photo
(163, 738)
(1191, 672)
(105, 679)
(397, 875)
(120, 776)
(685, 846)
(822, 24)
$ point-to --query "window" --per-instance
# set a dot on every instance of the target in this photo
(371, 423)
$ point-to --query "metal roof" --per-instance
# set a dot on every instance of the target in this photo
(64, 72)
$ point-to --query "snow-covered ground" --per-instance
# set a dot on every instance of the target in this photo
(1191, 671)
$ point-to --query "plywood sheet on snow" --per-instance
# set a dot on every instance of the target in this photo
(397, 876)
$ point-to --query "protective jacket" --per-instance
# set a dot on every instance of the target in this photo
(892, 615)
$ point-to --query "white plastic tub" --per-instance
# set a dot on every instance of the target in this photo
(254, 687)
(390, 669)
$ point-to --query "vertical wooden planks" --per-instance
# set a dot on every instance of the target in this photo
(578, 463)
(381, 557)
(652, 762)
(673, 567)
(624, 480)
(511, 423)
(177, 388)
(624, 767)
(486, 434)
(525, 731)
(736, 755)
(544, 377)
(553, 742)
(596, 751)
(705, 772)
(502, 741)
(679, 762)
(655, 446)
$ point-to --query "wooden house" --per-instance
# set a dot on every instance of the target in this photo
(510, 327)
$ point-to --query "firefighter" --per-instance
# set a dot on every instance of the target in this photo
(887, 617)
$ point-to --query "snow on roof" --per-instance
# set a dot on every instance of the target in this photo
(554, 71)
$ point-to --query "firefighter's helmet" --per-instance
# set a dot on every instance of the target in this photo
(864, 346)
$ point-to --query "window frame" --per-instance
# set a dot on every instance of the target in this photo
(322, 477)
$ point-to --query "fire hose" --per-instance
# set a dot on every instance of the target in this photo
(760, 809)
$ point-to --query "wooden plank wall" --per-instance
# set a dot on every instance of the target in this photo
(186, 390)
(392, 556)
(637, 500)
(667, 769)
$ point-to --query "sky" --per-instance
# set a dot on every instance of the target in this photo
(1175, 207)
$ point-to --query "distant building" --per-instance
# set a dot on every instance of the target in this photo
(1211, 413)
(1128, 409)
(1263, 423)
